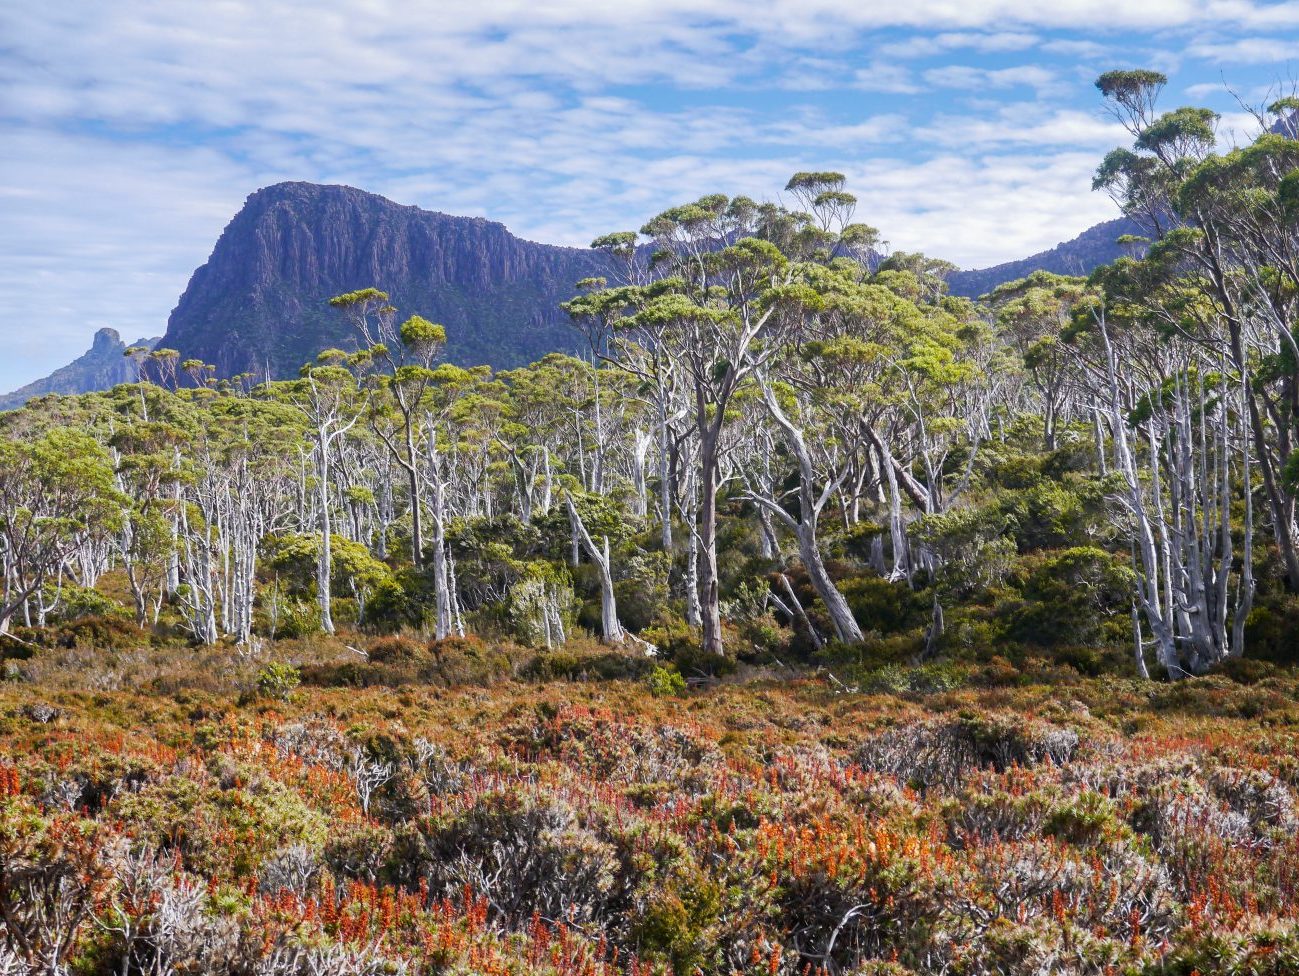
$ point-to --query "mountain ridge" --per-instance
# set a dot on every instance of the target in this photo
(1095, 246)
(259, 304)
(102, 366)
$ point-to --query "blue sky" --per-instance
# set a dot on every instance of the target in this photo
(132, 131)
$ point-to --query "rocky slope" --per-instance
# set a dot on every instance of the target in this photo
(101, 367)
(1089, 250)
(260, 303)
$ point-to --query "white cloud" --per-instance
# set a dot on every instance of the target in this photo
(932, 45)
(884, 77)
(95, 235)
(1076, 48)
(975, 80)
(1026, 125)
(1248, 50)
(983, 210)
(131, 131)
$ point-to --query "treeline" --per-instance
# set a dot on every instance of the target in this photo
(780, 444)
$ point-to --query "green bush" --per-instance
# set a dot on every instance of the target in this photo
(664, 683)
(883, 606)
(928, 678)
(277, 680)
(114, 632)
(566, 664)
(396, 648)
(76, 602)
(1068, 596)
(281, 614)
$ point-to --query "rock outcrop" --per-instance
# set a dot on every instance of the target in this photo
(101, 367)
(260, 303)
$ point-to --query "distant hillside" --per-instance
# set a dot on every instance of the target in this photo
(1089, 250)
(260, 303)
(102, 366)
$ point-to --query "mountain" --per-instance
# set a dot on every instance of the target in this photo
(260, 303)
(1092, 248)
(102, 366)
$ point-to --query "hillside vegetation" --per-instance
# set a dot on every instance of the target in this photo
(817, 621)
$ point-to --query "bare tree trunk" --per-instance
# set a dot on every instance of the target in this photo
(845, 624)
(610, 629)
(325, 562)
(709, 585)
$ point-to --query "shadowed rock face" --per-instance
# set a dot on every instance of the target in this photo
(101, 367)
(260, 303)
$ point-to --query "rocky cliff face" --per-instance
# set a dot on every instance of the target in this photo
(260, 303)
(103, 366)
(1089, 250)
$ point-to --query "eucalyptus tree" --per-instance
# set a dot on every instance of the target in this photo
(611, 630)
(165, 363)
(331, 403)
(1223, 268)
(649, 356)
(709, 313)
(148, 474)
(1032, 313)
(251, 442)
(1178, 424)
(205, 487)
(448, 411)
(815, 488)
(794, 388)
(55, 491)
(406, 354)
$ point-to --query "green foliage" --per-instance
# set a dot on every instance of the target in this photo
(884, 606)
(73, 602)
(113, 632)
(665, 683)
(896, 679)
(1069, 595)
(278, 679)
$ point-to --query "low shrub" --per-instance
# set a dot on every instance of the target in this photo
(113, 632)
(665, 683)
(572, 663)
(277, 679)
(941, 754)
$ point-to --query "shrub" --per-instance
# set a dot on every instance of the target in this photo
(113, 632)
(277, 680)
(884, 606)
(1246, 670)
(55, 876)
(942, 754)
(664, 683)
(397, 648)
(928, 678)
(574, 663)
(1068, 596)
(524, 854)
(76, 602)
(468, 660)
(539, 608)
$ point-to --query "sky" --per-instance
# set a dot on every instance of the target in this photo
(131, 131)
